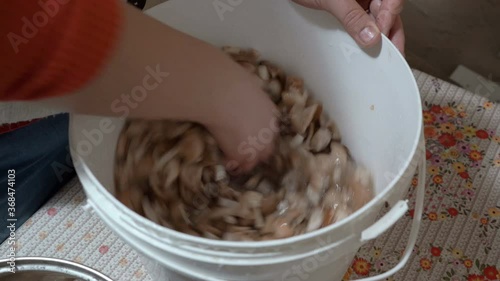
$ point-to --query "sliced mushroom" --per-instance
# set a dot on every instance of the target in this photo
(241, 55)
(302, 120)
(361, 188)
(274, 89)
(296, 141)
(269, 204)
(265, 187)
(283, 230)
(191, 147)
(315, 220)
(321, 140)
(274, 70)
(253, 181)
(291, 99)
(329, 217)
(294, 84)
(172, 172)
(263, 72)
(220, 173)
(342, 213)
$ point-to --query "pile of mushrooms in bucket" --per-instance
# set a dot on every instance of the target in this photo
(173, 173)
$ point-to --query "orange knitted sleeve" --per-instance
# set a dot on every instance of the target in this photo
(54, 47)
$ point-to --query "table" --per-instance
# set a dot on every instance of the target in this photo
(459, 238)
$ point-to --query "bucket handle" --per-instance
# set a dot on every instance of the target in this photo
(395, 214)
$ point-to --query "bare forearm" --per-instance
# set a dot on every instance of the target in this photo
(156, 72)
(159, 73)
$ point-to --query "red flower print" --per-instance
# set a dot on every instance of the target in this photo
(435, 251)
(428, 154)
(491, 273)
(464, 175)
(458, 135)
(430, 132)
(426, 264)
(52, 212)
(411, 213)
(432, 216)
(484, 221)
(414, 182)
(436, 109)
(429, 118)
(449, 111)
(453, 212)
(447, 140)
(482, 134)
(468, 263)
(475, 155)
(438, 179)
(475, 277)
(361, 267)
(103, 249)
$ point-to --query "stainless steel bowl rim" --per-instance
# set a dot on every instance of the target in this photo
(52, 265)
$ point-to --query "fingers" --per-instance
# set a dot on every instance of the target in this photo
(397, 35)
(248, 141)
(355, 20)
(365, 4)
(361, 26)
(241, 163)
(375, 6)
(388, 13)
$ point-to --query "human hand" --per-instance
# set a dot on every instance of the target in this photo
(364, 20)
(387, 14)
(243, 121)
(182, 78)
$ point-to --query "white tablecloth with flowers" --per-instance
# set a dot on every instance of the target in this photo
(459, 238)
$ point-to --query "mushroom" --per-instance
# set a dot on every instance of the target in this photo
(173, 172)
(191, 146)
(321, 139)
(301, 120)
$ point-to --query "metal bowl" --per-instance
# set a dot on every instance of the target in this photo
(48, 269)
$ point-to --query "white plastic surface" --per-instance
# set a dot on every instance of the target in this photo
(371, 95)
(415, 227)
(386, 222)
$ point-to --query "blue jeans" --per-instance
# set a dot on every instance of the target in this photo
(39, 155)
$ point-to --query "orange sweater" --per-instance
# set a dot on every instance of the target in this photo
(54, 47)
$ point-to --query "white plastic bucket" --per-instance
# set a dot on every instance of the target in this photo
(372, 96)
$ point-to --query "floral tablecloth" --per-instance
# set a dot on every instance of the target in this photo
(459, 238)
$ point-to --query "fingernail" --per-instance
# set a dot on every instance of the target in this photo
(368, 34)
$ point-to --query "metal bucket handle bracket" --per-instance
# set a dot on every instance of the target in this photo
(388, 220)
